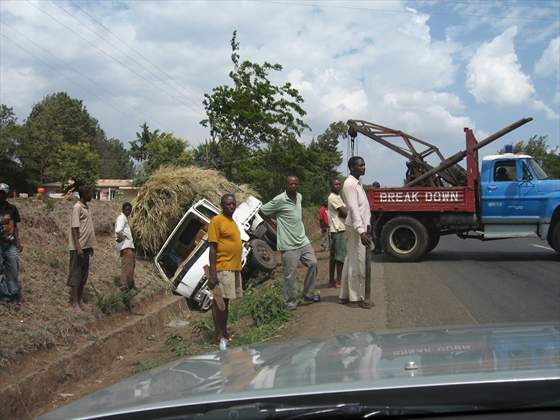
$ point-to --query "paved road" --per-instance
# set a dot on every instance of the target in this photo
(473, 282)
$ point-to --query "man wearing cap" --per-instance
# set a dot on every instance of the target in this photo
(10, 245)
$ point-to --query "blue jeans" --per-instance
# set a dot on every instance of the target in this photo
(9, 263)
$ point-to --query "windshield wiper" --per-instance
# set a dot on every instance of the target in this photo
(261, 410)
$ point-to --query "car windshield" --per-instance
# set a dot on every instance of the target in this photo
(190, 233)
(302, 206)
(537, 169)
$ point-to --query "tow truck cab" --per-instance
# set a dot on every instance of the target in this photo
(518, 199)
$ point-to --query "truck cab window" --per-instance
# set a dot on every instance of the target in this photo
(504, 171)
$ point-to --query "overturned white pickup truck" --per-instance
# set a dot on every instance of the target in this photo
(182, 258)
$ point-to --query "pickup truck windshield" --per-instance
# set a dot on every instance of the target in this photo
(539, 172)
(183, 243)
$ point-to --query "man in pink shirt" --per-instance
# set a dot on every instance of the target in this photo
(357, 225)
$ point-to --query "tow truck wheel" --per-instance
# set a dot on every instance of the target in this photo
(554, 237)
(405, 238)
(262, 255)
(434, 238)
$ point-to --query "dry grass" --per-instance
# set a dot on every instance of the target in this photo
(168, 193)
(46, 319)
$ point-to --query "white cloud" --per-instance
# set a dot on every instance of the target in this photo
(376, 61)
(549, 63)
(539, 105)
(494, 74)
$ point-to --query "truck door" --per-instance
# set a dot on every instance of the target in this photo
(500, 194)
(532, 200)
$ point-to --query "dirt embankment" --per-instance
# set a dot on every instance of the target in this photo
(45, 320)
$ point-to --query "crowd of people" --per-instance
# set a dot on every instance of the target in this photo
(81, 245)
(345, 226)
(344, 220)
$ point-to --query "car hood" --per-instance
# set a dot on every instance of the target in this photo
(358, 361)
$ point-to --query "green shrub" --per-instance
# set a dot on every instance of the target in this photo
(115, 302)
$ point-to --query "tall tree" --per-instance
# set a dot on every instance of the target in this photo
(325, 158)
(9, 133)
(138, 147)
(166, 149)
(78, 162)
(114, 160)
(57, 120)
(252, 113)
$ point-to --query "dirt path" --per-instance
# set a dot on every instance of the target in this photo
(329, 318)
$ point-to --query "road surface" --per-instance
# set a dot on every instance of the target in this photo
(474, 282)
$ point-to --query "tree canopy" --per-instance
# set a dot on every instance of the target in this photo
(37, 151)
(255, 128)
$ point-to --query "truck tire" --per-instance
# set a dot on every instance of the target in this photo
(405, 238)
(262, 255)
(434, 238)
(267, 232)
(554, 237)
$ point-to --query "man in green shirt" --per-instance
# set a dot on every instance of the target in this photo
(293, 243)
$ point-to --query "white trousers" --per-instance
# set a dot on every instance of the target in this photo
(354, 271)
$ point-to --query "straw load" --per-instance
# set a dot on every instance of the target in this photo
(168, 194)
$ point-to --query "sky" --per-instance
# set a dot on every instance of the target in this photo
(428, 68)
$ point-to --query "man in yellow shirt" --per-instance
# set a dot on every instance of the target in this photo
(224, 278)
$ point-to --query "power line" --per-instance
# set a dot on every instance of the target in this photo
(158, 78)
(129, 46)
(101, 50)
(70, 67)
(54, 68)
(369, 9)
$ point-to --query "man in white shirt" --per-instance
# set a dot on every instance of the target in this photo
(337, 214)
(125, 245)
(357, 225)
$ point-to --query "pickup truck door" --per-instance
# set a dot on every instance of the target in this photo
(500, 192)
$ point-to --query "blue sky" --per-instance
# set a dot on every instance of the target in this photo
(429, 68)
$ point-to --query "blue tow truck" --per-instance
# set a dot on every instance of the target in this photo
(506, 196)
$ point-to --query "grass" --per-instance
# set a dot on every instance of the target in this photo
(115, 302)
(258, 316)
(255, 318)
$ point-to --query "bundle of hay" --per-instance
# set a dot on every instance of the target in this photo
(168, 193)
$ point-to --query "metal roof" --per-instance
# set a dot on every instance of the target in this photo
(507, 156)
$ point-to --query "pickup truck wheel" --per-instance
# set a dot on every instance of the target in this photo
(262, 255)
(267, 232)
(554, 237)
(405, 238)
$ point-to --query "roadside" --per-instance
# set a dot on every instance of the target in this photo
(330, 318)
(163, 329)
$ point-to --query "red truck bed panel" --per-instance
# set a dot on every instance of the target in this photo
(421, 199)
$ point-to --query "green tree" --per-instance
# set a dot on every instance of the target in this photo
(252, 113)
(10, 133)
(55, 121)
(325, 158)
(166, 149)
(138, 147)
(537, 147)
(78, 162)
(115, 161)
